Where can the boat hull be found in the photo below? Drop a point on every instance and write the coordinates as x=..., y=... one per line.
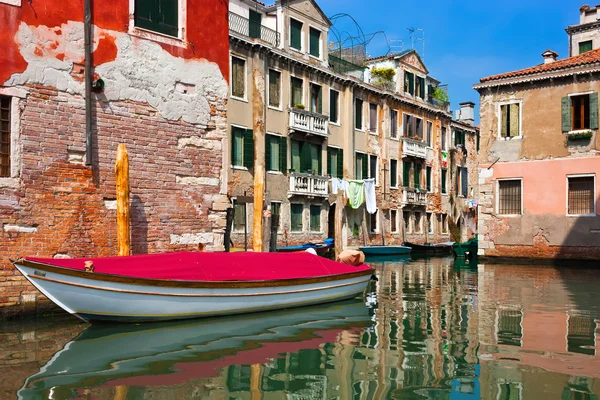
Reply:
x=431, y=249
x=134, y=300
x=384, y=250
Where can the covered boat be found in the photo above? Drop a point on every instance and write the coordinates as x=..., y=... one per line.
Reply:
x=391, y=250
x=320, y=248
x=188, y=285
x=430, y=249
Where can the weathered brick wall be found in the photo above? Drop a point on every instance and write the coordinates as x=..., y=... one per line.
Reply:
x=62, y=208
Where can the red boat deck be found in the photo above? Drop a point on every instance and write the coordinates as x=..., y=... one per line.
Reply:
x=212, y=267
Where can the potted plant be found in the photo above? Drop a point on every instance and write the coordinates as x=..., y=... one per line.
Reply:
x=585, y=135
x=299, y=106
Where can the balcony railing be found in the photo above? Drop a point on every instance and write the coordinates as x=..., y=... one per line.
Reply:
x=414, y=148
x=308, y=122
x=412, y=197
x=308, y=185
x=444, y=105
x=244, y=26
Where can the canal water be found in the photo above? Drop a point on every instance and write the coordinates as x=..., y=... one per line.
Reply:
x=426, y=329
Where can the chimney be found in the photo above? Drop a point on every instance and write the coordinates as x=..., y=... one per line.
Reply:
x=466, y=114
x=549, y=56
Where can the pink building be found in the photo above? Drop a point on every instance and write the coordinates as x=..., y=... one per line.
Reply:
x=538, y=160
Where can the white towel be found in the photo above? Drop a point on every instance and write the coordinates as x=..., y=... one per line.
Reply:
x=339, y=184
x=370, y=196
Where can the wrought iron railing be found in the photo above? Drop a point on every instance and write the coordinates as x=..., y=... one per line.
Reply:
x=252, y=29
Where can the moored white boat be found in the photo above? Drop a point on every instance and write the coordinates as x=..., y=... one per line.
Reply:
x=189, y=285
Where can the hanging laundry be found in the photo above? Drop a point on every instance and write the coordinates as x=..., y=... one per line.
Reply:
x=356, y=193
x=370, y=196
x=339, y=184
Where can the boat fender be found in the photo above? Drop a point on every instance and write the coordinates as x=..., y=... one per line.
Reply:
x=89, y=266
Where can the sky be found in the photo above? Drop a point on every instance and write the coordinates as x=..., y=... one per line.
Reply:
x=464, y=40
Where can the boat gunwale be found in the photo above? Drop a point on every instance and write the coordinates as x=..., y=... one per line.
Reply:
x=98, y=276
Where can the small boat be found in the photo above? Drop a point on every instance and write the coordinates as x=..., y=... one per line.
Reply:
x=190, y=285
x=466, y=249
x=384, y=250
x=175, y=353
x=320, y=248
x=433, y=249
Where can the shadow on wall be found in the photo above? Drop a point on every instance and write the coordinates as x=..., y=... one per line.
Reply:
x=139, y=226
x=582, y=239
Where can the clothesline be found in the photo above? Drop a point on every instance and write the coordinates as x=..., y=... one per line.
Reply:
x=357, y=192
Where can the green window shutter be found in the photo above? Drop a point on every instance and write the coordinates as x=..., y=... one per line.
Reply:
x=319, y=157
x=168, y=17
x=428, y=179
x=315, y=45
x=365, y=167
x=268, y=153
x=295, y=34
x=237, y=146
x=417, y=176
x=329, y=160
x=393, y=173
x=411, y=83
x=566, y=114
x=584, y=47
x=144, y=11
x=296, y=157
x=333, y=106
x=248, y=149
x=594, y=110
x=254, y=29
x=405, y=174
x=444, y=172
x=358, y=114
x=340, y=163
x=422, y=87
x=283, y=154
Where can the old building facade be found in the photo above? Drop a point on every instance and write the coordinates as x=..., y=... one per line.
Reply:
x=301, y=114
x=158, y=84
x=539, y=161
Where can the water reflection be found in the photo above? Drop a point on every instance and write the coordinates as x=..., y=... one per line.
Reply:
x=427, y=329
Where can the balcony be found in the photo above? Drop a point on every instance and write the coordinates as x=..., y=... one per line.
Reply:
x=308, y=122
x=308, y=185
x=414, y=149
x=243, y=26
x=412, y=197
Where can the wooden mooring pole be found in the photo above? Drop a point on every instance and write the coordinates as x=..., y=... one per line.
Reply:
x=123, y=218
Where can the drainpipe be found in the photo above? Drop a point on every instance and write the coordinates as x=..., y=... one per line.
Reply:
x=87, y=31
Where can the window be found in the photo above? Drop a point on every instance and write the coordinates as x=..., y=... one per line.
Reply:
x=239, y=216
x=444, y=223
x=295, y=34
x=509, y=330
x=242, y=147
x=296, y=217
x=419, y=127
x=430, y=224
x=394, y=124
x=358, y=117
x=274, y=88
x=428, y=177
x=509, y=197
x=581, y=335
x=160, y=16
x=254, y=24
x=457, y=182
x=5, y=140
x=373, y=168
x=334, y=106
x=316, y=98
x=335, y=162
x=394, y=221
x=418, y=223
x=362, y=169
x=406, y=173
x=420, y=87
x=510, y=115
x=238, y=77
x=306, y=157
x=581, y=195
x=459, y=138
x=417, y=175
x=464, y=182
x=394, y=173
x=297, y=89
x=580, y=112
x=315, y=42
x=276, y=153
x=408, y=130
x=373, y=117
x=406, y=220
x=315, y=218
x=429, y=133
x=373, y=222
x=443, y=183
x=409, y=82
x=444, y=139
x=584, y=47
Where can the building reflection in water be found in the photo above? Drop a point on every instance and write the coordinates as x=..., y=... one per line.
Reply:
x=430, y=329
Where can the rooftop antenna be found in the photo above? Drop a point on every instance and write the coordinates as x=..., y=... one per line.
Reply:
x=420, y=35
x=397, y=47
